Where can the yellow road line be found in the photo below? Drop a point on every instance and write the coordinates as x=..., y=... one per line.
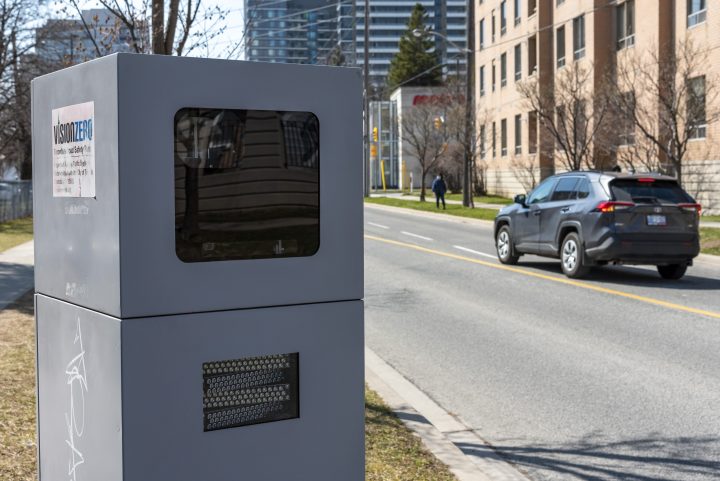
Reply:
x=561, y=280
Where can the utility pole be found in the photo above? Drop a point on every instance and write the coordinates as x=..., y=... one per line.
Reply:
x=367, y=99
x=469, y=110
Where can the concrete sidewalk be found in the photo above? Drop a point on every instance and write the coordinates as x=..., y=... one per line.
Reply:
x=16, y=272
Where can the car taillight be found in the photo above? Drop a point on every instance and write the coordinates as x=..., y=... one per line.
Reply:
x=612, y=206
x=646, y=179
x=691, y=207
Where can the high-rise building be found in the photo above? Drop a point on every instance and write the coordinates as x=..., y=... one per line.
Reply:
x=294, y=31
x=538, y=41
x=314, y=31
x=388, y=22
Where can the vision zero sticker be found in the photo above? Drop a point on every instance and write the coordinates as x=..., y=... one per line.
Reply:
x=73, y=137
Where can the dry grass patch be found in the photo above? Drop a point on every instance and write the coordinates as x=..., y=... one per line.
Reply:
x=394, y=453
x=17, y=402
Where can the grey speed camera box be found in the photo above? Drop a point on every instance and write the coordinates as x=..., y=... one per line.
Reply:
x=199, y=272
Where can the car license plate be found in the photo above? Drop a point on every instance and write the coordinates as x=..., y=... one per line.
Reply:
x=656, y=220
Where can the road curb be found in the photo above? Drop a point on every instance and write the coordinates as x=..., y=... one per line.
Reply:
x=439, y=431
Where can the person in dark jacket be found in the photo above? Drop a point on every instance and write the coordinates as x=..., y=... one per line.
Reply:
x=439, y=188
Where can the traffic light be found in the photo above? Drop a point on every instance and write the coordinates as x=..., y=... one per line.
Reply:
x=375, y=134
x=438, y=122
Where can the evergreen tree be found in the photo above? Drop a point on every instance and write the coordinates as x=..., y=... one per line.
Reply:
x=415, y=58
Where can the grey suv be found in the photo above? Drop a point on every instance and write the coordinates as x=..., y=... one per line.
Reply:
x=597, y=218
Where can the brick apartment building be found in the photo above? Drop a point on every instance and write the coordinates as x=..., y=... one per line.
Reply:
x=518, y=39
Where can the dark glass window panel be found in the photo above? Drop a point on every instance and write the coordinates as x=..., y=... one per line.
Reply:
x=565, y=189
x=246, y=184
x=583, y=189
x=657, y=192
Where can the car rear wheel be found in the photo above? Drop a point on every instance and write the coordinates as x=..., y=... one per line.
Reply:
x=672, y=271
x=572, y=257
x=504, y=247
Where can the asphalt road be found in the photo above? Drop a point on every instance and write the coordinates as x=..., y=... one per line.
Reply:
x=616, y=377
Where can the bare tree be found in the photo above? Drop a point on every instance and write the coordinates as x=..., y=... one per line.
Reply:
x=15, y=42
x=526, y=171
x=426, y=137
x=574, y=112
x=465, y=137
x=669, y=101
x=163, y=27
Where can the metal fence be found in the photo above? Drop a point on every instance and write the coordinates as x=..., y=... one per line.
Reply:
x=15, y=199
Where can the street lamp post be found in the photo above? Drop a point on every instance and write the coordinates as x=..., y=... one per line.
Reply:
x=366, y=65
x=467, y=161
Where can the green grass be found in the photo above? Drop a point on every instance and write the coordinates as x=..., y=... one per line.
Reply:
x=710, y=218
x=482, y=199
x=710, y=240
x=429, y=206
x=393, y=453
x=15, y=233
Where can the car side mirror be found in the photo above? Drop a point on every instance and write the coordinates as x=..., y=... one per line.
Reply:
x=520, y=199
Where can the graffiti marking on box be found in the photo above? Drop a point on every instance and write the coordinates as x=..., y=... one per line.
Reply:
x=73, y=156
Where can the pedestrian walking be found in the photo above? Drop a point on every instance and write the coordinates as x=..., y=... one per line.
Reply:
x=439, y=188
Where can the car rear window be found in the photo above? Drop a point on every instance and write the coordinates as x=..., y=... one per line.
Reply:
x=657, y=191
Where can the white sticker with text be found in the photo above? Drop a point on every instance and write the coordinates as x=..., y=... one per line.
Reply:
x=73, y=137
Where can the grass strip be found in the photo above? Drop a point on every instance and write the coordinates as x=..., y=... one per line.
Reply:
x=393, y=452
x=452, y=209
x=710, y=240
x=482, y=199
x=15, y=232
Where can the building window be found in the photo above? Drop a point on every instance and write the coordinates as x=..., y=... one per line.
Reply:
x=532, y=55
x=518, y=62
x=503, y=70
x=697, y=12
x=579, y=37
x=482, y=141
x=518, y=12
x=503, y=17
x=532, y=7
x=482, y=80
x=625, y=24
x=518, y=135
x=532, y=132
x=503, y=137
x=492, y=27
x=560, y=46
x=626, y=121
x=560, y=2
x=696, y=114
x=482, y=33
x=493, y=75
x=494, y=137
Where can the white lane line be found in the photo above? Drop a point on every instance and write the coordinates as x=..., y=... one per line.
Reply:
x=378, y=225
x=416, y=235
x=475, y=252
